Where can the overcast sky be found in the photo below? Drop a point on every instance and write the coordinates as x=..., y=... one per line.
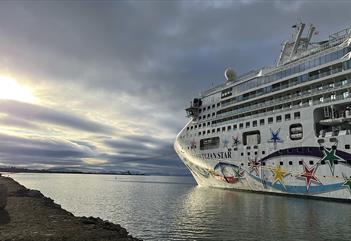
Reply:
x=106, y=82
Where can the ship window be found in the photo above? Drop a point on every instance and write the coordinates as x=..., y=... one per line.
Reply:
x=213, y=114
x=347, y=146
x=287, y=117
x=247, y=124
x=296, y=132
x=218, y=104
x=191, y=127
x=254, y=123
x=208, y=107
x=199, y=117
x=213, y=106
x=279, y=118
x=297, y=115
x=203, y=117
x=209, y=115
x=300, y=162
x=311, y=162
x=199, y=133
x=223, y=128
x=199, y=125
x=241, y=125
x=213, y=130
x=281, y=163
x=251, y=138
x=235, y=127
x=263, y=152
x=270, y=120
x=208, y=131
x=204, y=124
x=263, y=163
x=187, y=128
x=255, y=152
x=204, y=132
x=241, y=154
x=209, y=143
x=199, y=110
x=290, y=163
x=262, y=122
x=229, y=128
x=195, y=126
x=218, y=129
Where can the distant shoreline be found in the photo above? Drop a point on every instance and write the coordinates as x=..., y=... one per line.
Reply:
x=24, y=170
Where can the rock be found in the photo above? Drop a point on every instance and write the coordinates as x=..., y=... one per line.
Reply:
x=3, y=196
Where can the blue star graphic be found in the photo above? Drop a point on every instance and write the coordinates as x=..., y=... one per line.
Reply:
x=275, y=137
x=236, y=141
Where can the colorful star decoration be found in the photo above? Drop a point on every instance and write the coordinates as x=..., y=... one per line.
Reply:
x=225, y=143
x=239, y=173
x=279, y=174
x=236, y=141
x=309, y=174
x=254, y=166
x=330, y=157
x=275, y=138
x=347, y=182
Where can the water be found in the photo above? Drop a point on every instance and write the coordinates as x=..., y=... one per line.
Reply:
x=174, y=208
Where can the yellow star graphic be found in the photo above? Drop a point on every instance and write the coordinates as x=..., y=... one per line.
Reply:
x=279, y=175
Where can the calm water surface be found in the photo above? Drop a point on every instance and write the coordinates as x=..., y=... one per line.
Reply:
x=174, y=208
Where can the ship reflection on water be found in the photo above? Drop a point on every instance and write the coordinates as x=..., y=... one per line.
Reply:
x=174, y=208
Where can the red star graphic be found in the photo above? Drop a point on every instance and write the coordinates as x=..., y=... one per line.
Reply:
x=309, y=175
x=254, y=165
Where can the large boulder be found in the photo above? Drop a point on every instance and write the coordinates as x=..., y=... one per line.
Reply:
x=3, y=196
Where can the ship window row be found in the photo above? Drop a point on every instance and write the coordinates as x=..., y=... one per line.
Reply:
x=270, y=120
x=301, y=97
x=288, y=83
x=290, y=71
x=209, y=107
x=300, y=163
x=208, y=116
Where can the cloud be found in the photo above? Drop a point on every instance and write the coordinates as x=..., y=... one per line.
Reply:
x=113, y=77
x=22, y=112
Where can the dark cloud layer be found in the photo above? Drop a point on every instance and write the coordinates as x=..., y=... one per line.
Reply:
x=39, y=114
x=151, y=56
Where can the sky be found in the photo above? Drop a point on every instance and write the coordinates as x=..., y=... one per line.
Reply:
x=102, y=85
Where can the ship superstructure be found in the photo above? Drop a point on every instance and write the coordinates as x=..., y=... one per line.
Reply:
x=284, y=129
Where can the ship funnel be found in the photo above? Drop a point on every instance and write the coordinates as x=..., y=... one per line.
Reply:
x=230, y=74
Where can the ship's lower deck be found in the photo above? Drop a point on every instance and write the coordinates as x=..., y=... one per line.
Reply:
x=297, y=177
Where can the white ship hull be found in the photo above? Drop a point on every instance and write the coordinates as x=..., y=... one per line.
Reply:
x=282, y=131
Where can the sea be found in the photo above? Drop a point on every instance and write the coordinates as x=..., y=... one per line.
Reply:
x=175, y=208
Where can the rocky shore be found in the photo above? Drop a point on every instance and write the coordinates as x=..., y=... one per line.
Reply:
x=27, y=215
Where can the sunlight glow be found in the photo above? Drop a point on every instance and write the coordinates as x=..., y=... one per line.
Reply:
x=10, y=89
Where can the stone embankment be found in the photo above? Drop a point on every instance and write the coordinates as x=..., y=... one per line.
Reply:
x=27, y=215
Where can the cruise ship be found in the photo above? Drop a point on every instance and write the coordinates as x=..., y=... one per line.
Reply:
x=284, y=129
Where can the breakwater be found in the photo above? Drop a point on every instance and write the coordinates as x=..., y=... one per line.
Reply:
x=29, y=215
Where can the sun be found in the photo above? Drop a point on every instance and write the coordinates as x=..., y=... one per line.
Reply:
x=10, y=89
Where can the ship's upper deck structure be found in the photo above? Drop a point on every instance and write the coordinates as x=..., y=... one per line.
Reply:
x=296, y=56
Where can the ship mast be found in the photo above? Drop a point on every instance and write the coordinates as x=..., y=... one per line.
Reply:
x=297, y=45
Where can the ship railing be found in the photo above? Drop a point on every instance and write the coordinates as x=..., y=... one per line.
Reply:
x=287, y=100
x=321, y=75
